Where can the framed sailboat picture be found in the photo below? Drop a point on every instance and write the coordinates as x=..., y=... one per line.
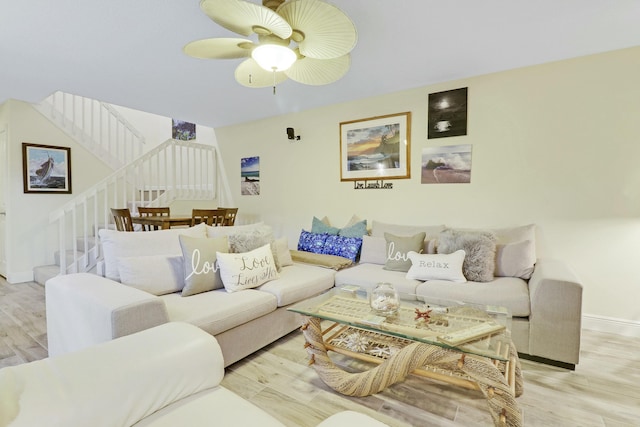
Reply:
x=46, y=168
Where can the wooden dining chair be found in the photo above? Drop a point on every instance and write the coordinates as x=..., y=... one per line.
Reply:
x=213, y=217
x=230, y=215
x=147, y=211
x=122, y=218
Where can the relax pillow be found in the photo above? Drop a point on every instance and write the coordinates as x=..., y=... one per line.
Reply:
x=397, y=249
x=200, y=263
x=437, y=267
x=480, y=250
x=142, y=243
x=155, y=274
x=247, y=270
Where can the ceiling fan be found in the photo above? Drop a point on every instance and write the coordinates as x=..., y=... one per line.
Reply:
x=307, y=41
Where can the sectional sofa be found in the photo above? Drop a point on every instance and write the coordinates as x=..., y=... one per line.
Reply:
x=144, y=283
x=499, y=267
x=144, y=286
x=169, y=375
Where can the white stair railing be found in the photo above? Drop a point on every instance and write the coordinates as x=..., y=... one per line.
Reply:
x=173, y=170
x=96, y=125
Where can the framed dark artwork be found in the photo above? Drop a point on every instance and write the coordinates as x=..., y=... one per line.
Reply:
x=447, y=113
x=183, y=131
x=450, y=164
x=376, y=148
x=250, y=176
x=46, y=168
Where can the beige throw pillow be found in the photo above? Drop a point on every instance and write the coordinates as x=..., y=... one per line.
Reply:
x=201, y=270
x=247, y=270
x=397, y=249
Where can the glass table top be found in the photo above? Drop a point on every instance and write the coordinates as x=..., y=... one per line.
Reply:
x=469, y=328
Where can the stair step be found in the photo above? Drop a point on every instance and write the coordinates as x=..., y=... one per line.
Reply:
x=45, y=272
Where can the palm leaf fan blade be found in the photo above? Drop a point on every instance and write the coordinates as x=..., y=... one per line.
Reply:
x=324, y=31
x=316, y=72
x=245, y=18
x=219, y=48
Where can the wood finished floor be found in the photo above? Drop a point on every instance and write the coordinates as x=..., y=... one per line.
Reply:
x=603, y=391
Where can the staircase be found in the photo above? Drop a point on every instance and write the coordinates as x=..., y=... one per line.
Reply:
x=174, y=170
x=99, y=127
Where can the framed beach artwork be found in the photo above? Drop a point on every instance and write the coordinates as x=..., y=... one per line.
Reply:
x=250, y=176
x=376, y=148
x=46, y=168
x=446, y=165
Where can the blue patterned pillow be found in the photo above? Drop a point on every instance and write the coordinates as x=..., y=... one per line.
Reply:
x=347, y=247
x=311, y=242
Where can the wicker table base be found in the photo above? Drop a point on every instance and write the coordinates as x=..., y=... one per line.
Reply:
x=499, y=382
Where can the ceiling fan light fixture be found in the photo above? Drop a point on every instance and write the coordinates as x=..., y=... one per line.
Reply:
x=273, y=57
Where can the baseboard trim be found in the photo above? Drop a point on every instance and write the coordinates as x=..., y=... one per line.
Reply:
x=25, y=276
x=627, y=328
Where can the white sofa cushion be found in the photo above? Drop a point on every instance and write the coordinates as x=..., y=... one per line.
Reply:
x=156, y=274
x=138, y=243
x=510, y=292
x=218, y=407
x=299, y=281
x=116, y=383
x=218, y=310
x=368, y=275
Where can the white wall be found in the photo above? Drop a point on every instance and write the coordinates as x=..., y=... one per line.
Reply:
x=157, y=129
x=31, y=239
x=555, y=144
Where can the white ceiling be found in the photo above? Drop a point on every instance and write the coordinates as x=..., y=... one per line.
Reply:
x=129, y=52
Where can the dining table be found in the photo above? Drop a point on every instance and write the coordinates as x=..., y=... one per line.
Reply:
x=163, y=222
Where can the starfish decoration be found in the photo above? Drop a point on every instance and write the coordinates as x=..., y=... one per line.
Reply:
x=382, y=351
x=424, y=315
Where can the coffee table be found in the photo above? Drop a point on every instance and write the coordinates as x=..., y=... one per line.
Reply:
x=461, y=344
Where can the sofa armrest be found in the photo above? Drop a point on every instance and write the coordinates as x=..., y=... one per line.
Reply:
x=116, y=383
x=556, y=312
x=84, y=309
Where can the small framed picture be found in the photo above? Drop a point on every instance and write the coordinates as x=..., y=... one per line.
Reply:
x=447, y=113
x=46, y=168
x=376, y=148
